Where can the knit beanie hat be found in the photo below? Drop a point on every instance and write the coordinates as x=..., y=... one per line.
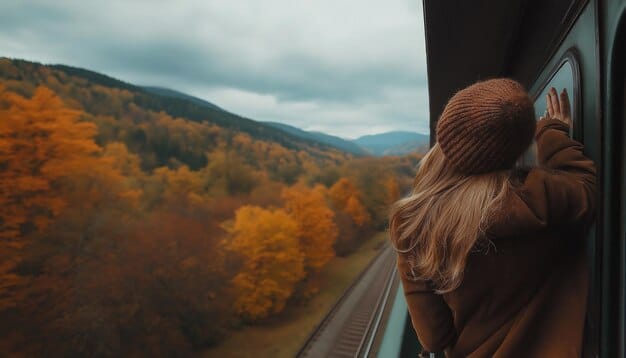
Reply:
x=486, y=126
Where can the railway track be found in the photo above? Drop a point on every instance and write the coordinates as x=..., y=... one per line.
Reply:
x=349, y=328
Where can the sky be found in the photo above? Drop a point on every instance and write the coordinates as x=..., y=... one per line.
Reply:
x=343, y=67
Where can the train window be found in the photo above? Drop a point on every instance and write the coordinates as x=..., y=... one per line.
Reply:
x=562, y=78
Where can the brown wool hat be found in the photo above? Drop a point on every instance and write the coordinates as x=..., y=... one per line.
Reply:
x=486, y=126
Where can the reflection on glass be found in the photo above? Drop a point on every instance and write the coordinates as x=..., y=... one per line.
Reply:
x=563, y=78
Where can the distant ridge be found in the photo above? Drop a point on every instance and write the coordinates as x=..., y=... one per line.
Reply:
x=394, y=143
x=389, y=143
x=337, y=142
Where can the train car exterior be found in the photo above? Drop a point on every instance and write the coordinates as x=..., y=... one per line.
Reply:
x=579, y=45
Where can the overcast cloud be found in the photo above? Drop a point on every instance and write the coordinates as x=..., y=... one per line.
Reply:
x=344, y=67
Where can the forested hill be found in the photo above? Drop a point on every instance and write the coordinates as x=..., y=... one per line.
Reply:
x=88, y=88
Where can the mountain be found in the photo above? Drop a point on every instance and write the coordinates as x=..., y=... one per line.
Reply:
x=155, y=99
x=337, y=142
x=166, y=92
x=90, y=90
x=390, y=143
x=394, y=143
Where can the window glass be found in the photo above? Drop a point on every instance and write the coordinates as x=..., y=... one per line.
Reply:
x=563, y=78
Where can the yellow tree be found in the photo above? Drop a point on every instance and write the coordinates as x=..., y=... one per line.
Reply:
x=317, y=231
x=127, y=163
x=272, y=262
x=357, y=211
x=345, y=197
x=228, y=174
x=179, y=185
x=393, y=190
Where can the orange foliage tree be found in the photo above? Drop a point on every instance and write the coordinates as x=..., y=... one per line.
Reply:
x=41, y=143
x=317, y=231
x=179, y=185
x=345, y=197
x=393, y=190
x=351, y=216
x=272, y=261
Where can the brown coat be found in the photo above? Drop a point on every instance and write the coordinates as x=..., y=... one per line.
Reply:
x=525, y=297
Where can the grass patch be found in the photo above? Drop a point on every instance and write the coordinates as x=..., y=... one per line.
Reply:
x=284, y=337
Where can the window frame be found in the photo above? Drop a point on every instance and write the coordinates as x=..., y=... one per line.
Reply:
x=572, y=57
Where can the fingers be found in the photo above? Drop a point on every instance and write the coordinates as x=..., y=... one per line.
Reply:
x=564, y=104
x=549, y=105
x=554, y=100
x=558, y=106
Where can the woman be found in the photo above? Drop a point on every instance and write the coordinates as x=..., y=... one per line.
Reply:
x=491, y=256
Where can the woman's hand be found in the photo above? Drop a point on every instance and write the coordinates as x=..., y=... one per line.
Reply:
x=558, y=106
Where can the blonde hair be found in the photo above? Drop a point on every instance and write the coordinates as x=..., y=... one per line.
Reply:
x=444, y=218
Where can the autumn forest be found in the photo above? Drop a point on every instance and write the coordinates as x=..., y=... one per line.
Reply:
x=133, y=223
